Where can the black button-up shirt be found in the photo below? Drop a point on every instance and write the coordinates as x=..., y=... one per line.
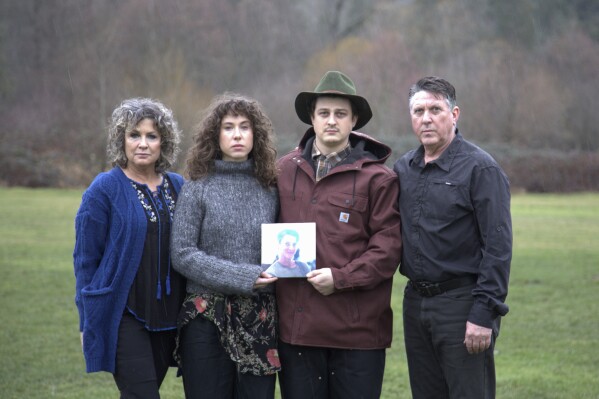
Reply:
x=455, y=222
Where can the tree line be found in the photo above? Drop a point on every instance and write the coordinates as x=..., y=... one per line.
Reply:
x=525, y=74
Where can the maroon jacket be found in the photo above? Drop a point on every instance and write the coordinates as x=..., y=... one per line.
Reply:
x=363, y=250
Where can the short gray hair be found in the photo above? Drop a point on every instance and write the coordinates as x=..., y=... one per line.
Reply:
x=437, y=86
x=126, y=117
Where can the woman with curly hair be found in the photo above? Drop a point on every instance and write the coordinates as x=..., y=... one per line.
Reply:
x=227, y=344
x=127, y=293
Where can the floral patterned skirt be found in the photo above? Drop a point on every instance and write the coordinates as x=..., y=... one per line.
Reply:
x=247, y=328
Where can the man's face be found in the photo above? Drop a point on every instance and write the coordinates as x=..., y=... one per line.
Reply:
x=433, y=121
x=333, y=121
x=287, y=248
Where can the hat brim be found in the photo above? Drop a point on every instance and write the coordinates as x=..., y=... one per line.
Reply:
x=305, y=98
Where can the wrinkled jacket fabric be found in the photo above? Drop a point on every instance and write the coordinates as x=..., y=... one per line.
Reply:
x=357, y=236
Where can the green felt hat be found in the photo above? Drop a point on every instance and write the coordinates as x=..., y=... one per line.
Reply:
x=337, y=84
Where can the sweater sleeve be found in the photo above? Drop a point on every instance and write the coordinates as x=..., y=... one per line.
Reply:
x=213, y=272
x=91, y=229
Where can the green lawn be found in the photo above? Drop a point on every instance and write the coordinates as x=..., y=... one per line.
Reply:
x=548, y=347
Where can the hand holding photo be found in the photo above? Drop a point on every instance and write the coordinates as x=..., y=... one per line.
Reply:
x=281, y=255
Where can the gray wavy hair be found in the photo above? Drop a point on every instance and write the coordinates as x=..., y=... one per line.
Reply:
x=126, y=117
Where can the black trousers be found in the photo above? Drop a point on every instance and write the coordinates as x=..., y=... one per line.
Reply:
x=142, y=359
x=439, y=365
x=209, y=372
x=324, y=373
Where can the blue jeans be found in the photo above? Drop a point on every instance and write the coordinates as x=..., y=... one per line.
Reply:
x=439, y=365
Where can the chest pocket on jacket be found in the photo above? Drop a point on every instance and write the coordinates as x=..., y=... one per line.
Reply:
x=441, y=200
x=349, y=202
x=347, y=221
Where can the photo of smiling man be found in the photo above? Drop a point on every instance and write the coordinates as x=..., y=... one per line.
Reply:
x=287, y=261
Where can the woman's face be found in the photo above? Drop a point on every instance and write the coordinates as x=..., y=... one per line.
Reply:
x=236, y=138
x=142, y=145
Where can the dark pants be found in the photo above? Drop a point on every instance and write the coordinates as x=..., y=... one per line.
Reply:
x=142, y=359
x=209, y=372
x=439, y=365
x=323, y=373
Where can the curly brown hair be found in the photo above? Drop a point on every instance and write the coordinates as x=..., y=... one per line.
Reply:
x=125, y=118
x=206, y=147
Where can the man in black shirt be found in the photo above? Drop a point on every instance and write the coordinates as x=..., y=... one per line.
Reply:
x=456, y=228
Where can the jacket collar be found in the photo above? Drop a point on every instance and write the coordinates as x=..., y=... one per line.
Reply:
x=363, y=146
x=445, y=159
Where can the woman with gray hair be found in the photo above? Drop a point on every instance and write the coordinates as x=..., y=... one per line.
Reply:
x=127, y=293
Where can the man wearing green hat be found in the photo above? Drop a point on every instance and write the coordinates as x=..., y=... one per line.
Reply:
x=337, y=322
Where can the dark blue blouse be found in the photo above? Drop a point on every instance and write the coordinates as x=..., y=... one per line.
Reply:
x=158, y=290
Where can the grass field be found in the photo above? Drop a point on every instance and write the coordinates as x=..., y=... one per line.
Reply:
x=548, y=346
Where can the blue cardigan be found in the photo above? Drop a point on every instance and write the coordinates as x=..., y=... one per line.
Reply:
x=110, y=231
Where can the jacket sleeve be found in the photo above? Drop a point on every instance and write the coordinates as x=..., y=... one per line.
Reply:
x=91, y=229
x=382, y=255
x=177, y=180
x=195, y=264
x=491, y=199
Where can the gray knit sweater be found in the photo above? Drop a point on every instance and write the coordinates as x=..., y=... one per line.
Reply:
x=215, y=239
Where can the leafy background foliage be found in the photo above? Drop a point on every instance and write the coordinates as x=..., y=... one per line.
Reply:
x=525, y=73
